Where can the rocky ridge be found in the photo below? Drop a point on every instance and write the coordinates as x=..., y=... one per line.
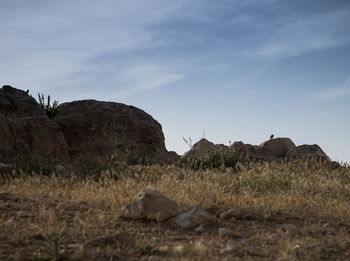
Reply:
x=98, y=129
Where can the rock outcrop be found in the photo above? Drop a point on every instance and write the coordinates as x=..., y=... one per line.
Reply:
x=271, y=150
x=198, y=149
x=25, y=128
x=277, y=147
x=152, y=205
x=96, y=128
x=307, y=151
x=81, y=128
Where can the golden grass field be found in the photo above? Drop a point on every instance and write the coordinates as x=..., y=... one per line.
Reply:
x=288, y=211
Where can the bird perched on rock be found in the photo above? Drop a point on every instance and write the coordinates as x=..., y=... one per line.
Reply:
x=271, y=137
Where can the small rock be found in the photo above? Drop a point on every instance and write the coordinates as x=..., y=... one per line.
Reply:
x=18, y=256
x=163, y=249
x=4, y=195
x=291, y=229
x=150, y=204
x=23, y=214
x=229, y=250
x=233, y=219
x=195, y=216
x=75, y=246
x=225, y=232
x=4, y=166
x=199, y=229
x=229, y=214
x=179, y=249
x=219, y=212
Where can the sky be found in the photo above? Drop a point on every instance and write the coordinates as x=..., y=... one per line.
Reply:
x=226, y=70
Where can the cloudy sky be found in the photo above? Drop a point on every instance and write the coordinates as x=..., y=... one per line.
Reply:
x=236, y=70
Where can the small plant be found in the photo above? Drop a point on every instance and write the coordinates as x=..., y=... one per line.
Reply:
x=51, y=110
x=55, y=246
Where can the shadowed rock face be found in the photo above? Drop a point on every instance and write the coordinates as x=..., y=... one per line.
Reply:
x=96, y=128
x=80, y=128
x=307, y=151
x=25, y=128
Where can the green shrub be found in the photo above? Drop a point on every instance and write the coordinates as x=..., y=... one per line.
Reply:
x=51, y=110
x=217, y=158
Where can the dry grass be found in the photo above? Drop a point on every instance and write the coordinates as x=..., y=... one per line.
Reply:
x=290, y=211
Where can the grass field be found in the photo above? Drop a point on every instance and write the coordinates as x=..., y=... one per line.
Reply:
x=289, y=211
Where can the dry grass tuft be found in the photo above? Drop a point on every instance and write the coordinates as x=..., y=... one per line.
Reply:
x=289, y=211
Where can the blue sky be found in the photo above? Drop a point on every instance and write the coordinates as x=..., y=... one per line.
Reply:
x=240, y=70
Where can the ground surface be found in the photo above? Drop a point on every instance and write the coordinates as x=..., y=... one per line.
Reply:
x=284, y=212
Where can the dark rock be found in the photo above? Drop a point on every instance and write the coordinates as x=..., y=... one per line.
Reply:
x=25, y=128
x=99, y=129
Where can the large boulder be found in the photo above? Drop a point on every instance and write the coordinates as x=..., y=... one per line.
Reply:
x=26, y=129
x=98, y=129
x=198, y=149
x=278, y=147
x=152, y=205
x=307, y=151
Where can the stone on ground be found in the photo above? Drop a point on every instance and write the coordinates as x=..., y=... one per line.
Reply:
x=152, y=205
x=194, y=217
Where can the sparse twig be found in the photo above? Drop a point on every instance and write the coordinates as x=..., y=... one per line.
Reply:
x=188, y=141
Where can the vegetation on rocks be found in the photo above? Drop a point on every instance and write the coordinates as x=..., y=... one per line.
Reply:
x=266, y=211
x=218, y=159
x=51, y=110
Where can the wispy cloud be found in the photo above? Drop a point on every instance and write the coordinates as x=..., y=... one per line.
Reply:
x=336, y=92
x=148, y=77
x=301, y=34
x=54, y=45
